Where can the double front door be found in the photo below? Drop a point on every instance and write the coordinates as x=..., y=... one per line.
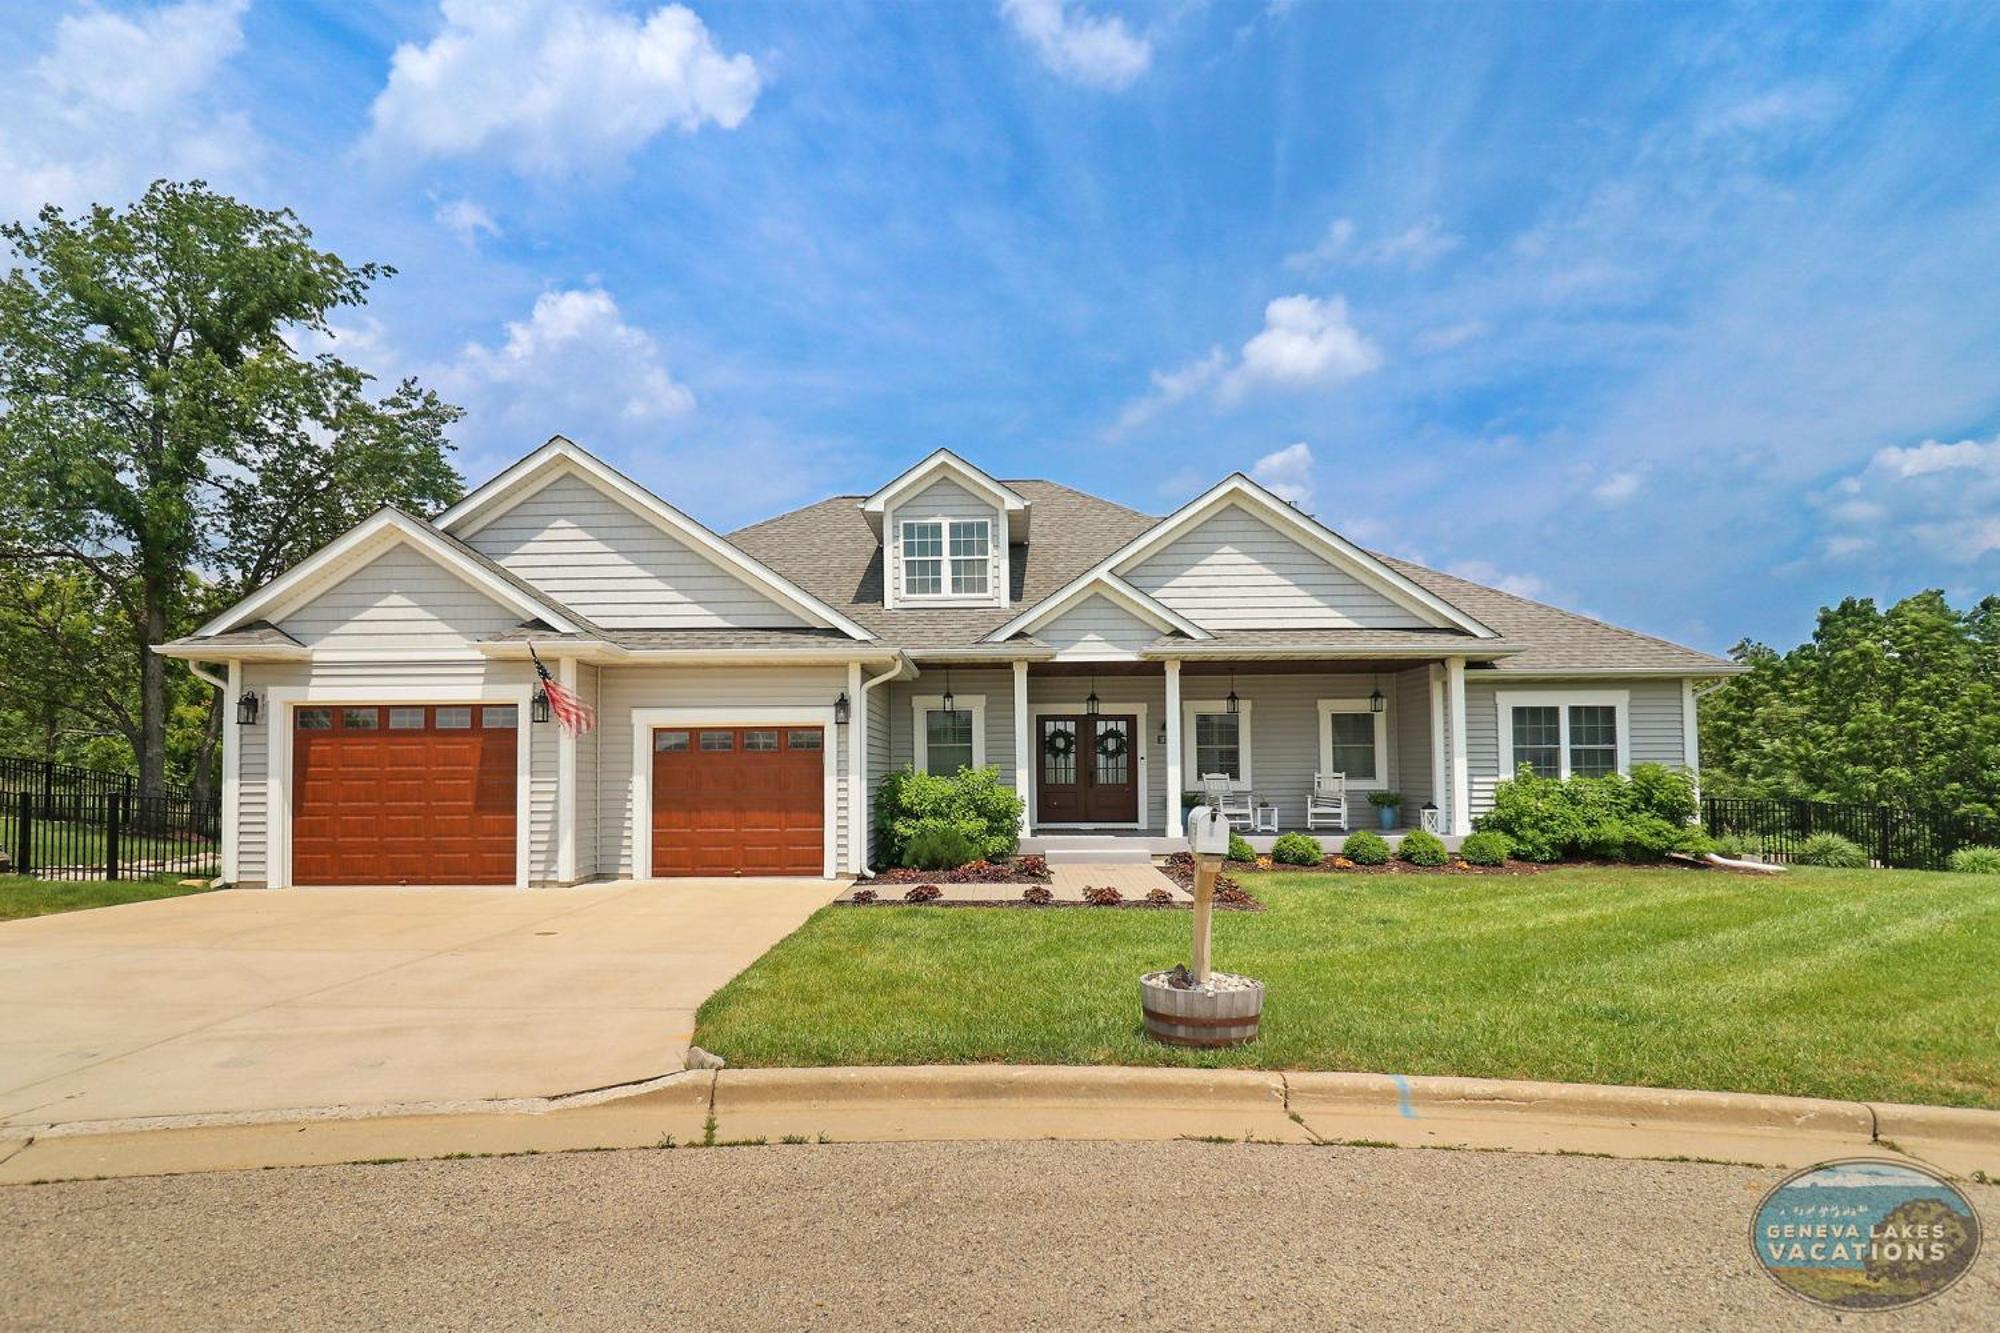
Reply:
x=1088, y=768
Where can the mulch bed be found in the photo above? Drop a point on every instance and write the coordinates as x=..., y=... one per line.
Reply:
x=1022, y=870
x=1342, y=865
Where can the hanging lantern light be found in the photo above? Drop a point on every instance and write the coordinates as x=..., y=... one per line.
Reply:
x=1376, y=703
x=1090, y=703
x=1234, y=704
x=949, y=701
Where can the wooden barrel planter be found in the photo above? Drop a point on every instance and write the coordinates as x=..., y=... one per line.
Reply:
x=1223, y=1015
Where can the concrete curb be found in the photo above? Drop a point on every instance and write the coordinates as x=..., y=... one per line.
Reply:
x=945, y=1102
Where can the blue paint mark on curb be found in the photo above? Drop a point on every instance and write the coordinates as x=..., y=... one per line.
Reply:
x=1403, y=1097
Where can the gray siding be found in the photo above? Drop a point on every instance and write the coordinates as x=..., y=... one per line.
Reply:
x=356, y=681
x=589, y=685
x=400, y=599
x=1097, y=627
x=718, y=690
x=946, y=499
x=1235, y=571
x=617, y=566
x=1411, y=736
x=1653, y=718
x=881, y=711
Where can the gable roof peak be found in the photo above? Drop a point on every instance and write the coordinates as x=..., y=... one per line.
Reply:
x=944, y=460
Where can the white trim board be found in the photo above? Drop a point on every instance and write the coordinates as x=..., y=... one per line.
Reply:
x=1505, y=701
x=646, y=720
x=921, y=704
x=278, y=796
x=1114, y=589
x=376, y=535
x=1112, y=706
x=920, y=473
x=1384, y=754
x=561, y=457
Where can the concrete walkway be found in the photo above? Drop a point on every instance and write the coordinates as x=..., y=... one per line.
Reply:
x=254, y=1001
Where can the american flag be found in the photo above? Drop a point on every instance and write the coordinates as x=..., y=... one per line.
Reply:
x=570, y=712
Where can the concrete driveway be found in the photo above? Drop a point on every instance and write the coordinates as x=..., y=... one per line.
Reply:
x=260, y=1000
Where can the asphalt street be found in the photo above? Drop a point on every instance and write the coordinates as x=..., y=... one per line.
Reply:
x=968, y=1235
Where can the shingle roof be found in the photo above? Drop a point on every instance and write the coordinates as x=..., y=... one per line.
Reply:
x=829, y=550
x=256, y=634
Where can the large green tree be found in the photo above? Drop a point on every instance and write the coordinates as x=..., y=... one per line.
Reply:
x=164, y=440
x=1896, y=707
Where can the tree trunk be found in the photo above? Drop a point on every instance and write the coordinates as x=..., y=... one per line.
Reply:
x=152, y=691
x=201, y=783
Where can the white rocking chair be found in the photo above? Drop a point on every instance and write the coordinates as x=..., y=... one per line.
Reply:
x=1234, y=805
x=1326, y=807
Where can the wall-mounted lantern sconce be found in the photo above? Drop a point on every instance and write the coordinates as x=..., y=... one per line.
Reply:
x=841, y=709
x=538, y=707
x=246, y=709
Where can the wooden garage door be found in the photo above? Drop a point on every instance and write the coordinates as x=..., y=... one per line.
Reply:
x=404, y=794
x=739, y=801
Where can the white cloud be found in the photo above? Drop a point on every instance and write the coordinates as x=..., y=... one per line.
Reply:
x=119, y=99
x=1305, y=342
x=1452, y=335
x=466, y=219
x=573, y=365
x=1415, y=247
x=556, y=88
x=1933, y=499
x=1084, y=48
x=1484, y=571
x=1172, y=386
x=1617, y=488
x=1287, y=473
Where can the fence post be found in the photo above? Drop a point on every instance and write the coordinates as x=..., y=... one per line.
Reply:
x=24, y=824
x=1882, y=838
x=113, y=827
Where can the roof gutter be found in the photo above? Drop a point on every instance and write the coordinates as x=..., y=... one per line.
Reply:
x=1724, y=670
x=1000, y=652
x=603, y=653
x=198, y=651
x=1472, y=649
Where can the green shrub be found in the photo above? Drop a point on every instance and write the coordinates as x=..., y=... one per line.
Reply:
x=1240, y=848
x=1735, y=846
x=1832, y=850
x=1423, y=848
x=1640, y=818
x=1490, y=848
x=1976, y=860
x=971, y=801
x=1385, y=799
x=939, y=845
x=1297, y=849
x=1365, y=847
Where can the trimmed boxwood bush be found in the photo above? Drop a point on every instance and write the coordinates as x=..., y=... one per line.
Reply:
x=1490, y=848
x=1423, y=848
x=1240, y=848
x=1832, y=850
x=971, y=802
x=1976, y=860
x=1640, y=818
x=936, y=845
x=1297, y=849
x=1365, y=847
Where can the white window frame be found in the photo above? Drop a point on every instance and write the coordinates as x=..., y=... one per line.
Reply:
x=1506, y=701
x=1327, y=708
x=1190, y=764
x=985, y=526
x=922, y=705
x=903, y=526
x=996, y=569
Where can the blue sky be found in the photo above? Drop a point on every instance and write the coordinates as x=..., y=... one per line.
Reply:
x=1684, y=316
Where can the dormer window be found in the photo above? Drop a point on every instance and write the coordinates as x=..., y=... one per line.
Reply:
x=937, y=550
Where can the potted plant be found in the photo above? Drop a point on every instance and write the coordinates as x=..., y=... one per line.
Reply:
x=1190, y=1005
x=1385, y=803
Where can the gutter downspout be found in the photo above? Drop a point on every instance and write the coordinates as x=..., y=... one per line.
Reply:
x=857, y=767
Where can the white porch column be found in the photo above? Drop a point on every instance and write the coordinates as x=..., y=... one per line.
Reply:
x=1461, y=772
x=232, y=770
x=1440, y=785
x=857, y=772
x=566, y=784
x=1175, y=827
x=1024, y=750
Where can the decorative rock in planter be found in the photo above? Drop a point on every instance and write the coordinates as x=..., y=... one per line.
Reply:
x=1225, y=1012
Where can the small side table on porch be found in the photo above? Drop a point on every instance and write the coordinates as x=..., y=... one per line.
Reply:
x=1264, y=817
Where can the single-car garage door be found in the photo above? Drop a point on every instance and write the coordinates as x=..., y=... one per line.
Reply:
x=739, y=801
x=404, y=794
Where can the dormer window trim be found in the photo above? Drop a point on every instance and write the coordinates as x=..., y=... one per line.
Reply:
x=949, y=558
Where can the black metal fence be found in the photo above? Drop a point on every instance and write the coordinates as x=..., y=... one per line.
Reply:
x=58, y=821
x=1908, y=839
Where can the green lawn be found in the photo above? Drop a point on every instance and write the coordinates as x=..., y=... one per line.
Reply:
x=1855, y=984
x=34, y=897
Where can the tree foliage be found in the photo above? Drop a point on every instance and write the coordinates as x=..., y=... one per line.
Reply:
x=165, y=444
x=1896, y=707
